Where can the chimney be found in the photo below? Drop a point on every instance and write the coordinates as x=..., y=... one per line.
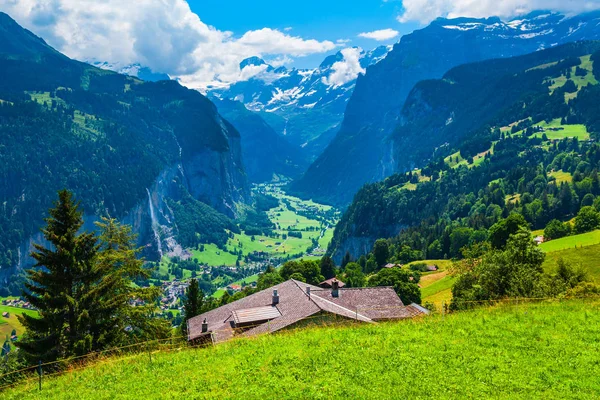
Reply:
x=335, y=288
x=204, y=326
x=275, y=297
x=308, y=291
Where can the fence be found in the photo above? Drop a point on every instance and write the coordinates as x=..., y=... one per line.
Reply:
x=41, y=371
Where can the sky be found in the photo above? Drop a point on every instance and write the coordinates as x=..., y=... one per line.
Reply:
x=202, y=42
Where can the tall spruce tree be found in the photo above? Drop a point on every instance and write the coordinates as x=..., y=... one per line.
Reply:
x=83, y=289
x=57, y=283
x=122, y=310
x=193, y=305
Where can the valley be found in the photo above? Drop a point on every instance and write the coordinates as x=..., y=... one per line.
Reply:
x=300, y=229
x=195, y=217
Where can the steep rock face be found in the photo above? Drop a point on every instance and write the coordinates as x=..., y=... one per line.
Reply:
x=264, y=152
x=360, y=153
x=125, y=147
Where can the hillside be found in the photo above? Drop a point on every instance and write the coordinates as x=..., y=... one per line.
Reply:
x=365, y=149
x=127, y=148
x=542, y=350
x=499, y=132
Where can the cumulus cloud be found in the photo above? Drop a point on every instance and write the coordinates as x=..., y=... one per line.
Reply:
x=347, y=69
x=164, y=35
x=425, y=11
x=380, y=35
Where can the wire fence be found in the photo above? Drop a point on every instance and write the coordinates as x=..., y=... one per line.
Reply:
x=41, y=371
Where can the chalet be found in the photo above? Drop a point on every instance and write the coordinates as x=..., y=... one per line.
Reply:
x=432, y=268
x=6, y=314
x=328, y=284
x=234, y=288
x=293, y=304
x=539, y=239
x=392, y=266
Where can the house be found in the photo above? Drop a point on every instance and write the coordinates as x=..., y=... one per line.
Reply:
x=432, y=268
x=294, y=304
x=6, y=314
x=392, y=266
x=234, y=288
x=329, y=283
x=539, y=239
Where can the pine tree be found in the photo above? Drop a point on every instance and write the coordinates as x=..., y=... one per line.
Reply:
x=83, y=289
x=55, y=284
x=116, y=321
x=193, y=304
x=327, y=267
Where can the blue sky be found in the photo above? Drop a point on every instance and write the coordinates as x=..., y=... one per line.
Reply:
x=202, y=42
x=316, y=19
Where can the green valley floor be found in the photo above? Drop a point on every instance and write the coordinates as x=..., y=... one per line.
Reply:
x=542, y=351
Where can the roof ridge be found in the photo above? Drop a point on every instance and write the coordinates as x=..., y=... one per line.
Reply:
x=342, y=307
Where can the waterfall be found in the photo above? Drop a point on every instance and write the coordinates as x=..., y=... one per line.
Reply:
x=155, y=224
x=179, y=165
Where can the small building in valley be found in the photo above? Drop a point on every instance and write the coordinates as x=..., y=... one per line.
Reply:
x=294, y=304
x=329, y=283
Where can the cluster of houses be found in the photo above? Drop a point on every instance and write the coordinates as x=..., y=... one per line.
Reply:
x=17, y=303
x=172, y=292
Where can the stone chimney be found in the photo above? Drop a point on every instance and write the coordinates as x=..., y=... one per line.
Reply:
x=335, y=288
x=275, y=297
x=204, y=326
x=308, y=291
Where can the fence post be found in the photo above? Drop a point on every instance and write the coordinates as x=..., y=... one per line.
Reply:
x=40, y=374
x=443, y=309
x=149, y=352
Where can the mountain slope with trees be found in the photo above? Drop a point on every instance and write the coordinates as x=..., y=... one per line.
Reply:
x=535, y=155
x=364, y=149
x=125, y=147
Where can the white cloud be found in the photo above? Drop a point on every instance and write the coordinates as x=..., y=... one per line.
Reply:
x=347, y=69
x=425, y=11
x=164, y=35
x=380, y=35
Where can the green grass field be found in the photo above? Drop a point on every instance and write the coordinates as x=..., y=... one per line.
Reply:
x=561, y=176
x=285, y=219
x=569, y=131
x=569, y=242
x=588, y=258
x=534, y=351
x=12, y=322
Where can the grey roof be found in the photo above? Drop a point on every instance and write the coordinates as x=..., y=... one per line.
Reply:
x=295, y=304
x=255, y=314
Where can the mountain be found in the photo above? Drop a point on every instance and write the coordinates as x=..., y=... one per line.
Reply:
x=156, y=155
x=265, y=153
x=500, y=132
x=364, y=149
x=136, y=70
x=304, y=105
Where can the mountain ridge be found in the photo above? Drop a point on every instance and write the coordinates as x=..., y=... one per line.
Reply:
x=358, y=153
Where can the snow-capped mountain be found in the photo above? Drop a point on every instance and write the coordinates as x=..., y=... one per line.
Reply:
x=305, y=105
x=136, y=70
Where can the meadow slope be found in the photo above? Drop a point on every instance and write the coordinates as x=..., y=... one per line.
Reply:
x=544, y=350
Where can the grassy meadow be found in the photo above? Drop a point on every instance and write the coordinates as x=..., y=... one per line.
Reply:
x=546, y=350
x=12, y=322
x=570, y=242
